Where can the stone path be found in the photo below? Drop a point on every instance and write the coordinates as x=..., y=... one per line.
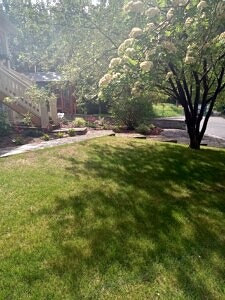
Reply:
x=167, y=135
x=53, y=143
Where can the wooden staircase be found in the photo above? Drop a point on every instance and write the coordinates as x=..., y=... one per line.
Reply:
x=14, y=85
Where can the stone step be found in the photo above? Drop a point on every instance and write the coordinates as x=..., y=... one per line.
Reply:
x=78, y=131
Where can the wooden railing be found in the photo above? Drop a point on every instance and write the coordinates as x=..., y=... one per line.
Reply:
x=14, y=85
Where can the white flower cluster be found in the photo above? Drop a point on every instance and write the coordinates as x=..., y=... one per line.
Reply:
x=105, y=80
x=202, y=5
x=149, y=27
x=136, y=90
x=169, y=75
x=126, y=59
x=130, y=52
x=126, y=44
x=170, y=13
x=152, y=12
x=188, y=22
x=222, y=37
x=149, y=53
x=190, y=59
x=134, y=6
x=115, y=62
x=135, y=32
x=169, y=46
x=146, y=65
x=116, y=75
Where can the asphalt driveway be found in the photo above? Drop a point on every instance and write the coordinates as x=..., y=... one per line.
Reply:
x=216, y=127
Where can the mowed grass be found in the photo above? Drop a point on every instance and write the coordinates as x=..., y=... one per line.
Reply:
x=113, y=218
x=167, y=110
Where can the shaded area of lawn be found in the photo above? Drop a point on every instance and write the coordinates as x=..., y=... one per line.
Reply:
x=127, y=220
x=155, y=216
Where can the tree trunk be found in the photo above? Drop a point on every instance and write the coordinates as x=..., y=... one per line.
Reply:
x=194, y=143
x=194, y=136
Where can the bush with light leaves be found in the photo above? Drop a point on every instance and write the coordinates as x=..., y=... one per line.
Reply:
x=131, y=104
x=178, y=47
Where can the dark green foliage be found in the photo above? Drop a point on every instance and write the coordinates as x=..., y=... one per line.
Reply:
x=132, y=111
x=143, y=129
x=59, y=135
x=4, y=124
x=33, y=133
x=71, y=132
x=45, y=137
x=18, y=141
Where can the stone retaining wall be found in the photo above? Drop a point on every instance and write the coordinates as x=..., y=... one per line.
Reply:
x=167, y=123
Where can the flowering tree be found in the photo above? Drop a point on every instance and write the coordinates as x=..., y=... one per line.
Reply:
x=177, y=46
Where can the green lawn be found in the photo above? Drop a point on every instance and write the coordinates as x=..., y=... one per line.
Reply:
x=113, y=219
x=167, y=110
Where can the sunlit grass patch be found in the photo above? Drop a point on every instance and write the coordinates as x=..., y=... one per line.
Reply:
x=167, y=110
x=113, y=218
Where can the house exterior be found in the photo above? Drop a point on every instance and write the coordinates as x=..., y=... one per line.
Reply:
x=65, y=100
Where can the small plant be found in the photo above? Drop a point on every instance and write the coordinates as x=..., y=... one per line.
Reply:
x=27, y=119
x=101, y=121
x=92, y=125
x=64, y=121
x=143, y=129
x=59, y=135
x=79, y=122
x=148, y=129
x=71, y=132
x=18, y=141
x=45, y=137
x=119, y=129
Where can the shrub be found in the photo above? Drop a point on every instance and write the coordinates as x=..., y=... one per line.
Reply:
x=148, y=129
x=132, y=111
x=59, y=135
x=18, y=141
x=71, y=132
x=64, y=121
x=4, y=125
x=79, y=122
x=92, y=125
x=143, y=129
x=119, y=129
x=45, y=137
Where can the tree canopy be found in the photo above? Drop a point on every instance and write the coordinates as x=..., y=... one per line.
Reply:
x=76, y=38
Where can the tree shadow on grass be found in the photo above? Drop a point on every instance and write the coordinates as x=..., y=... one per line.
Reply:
x=152, y=216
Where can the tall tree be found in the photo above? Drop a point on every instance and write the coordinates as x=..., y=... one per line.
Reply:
x=32, y=46
x=178, y=47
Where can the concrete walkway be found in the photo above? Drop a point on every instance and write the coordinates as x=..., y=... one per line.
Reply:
x=53, y=143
